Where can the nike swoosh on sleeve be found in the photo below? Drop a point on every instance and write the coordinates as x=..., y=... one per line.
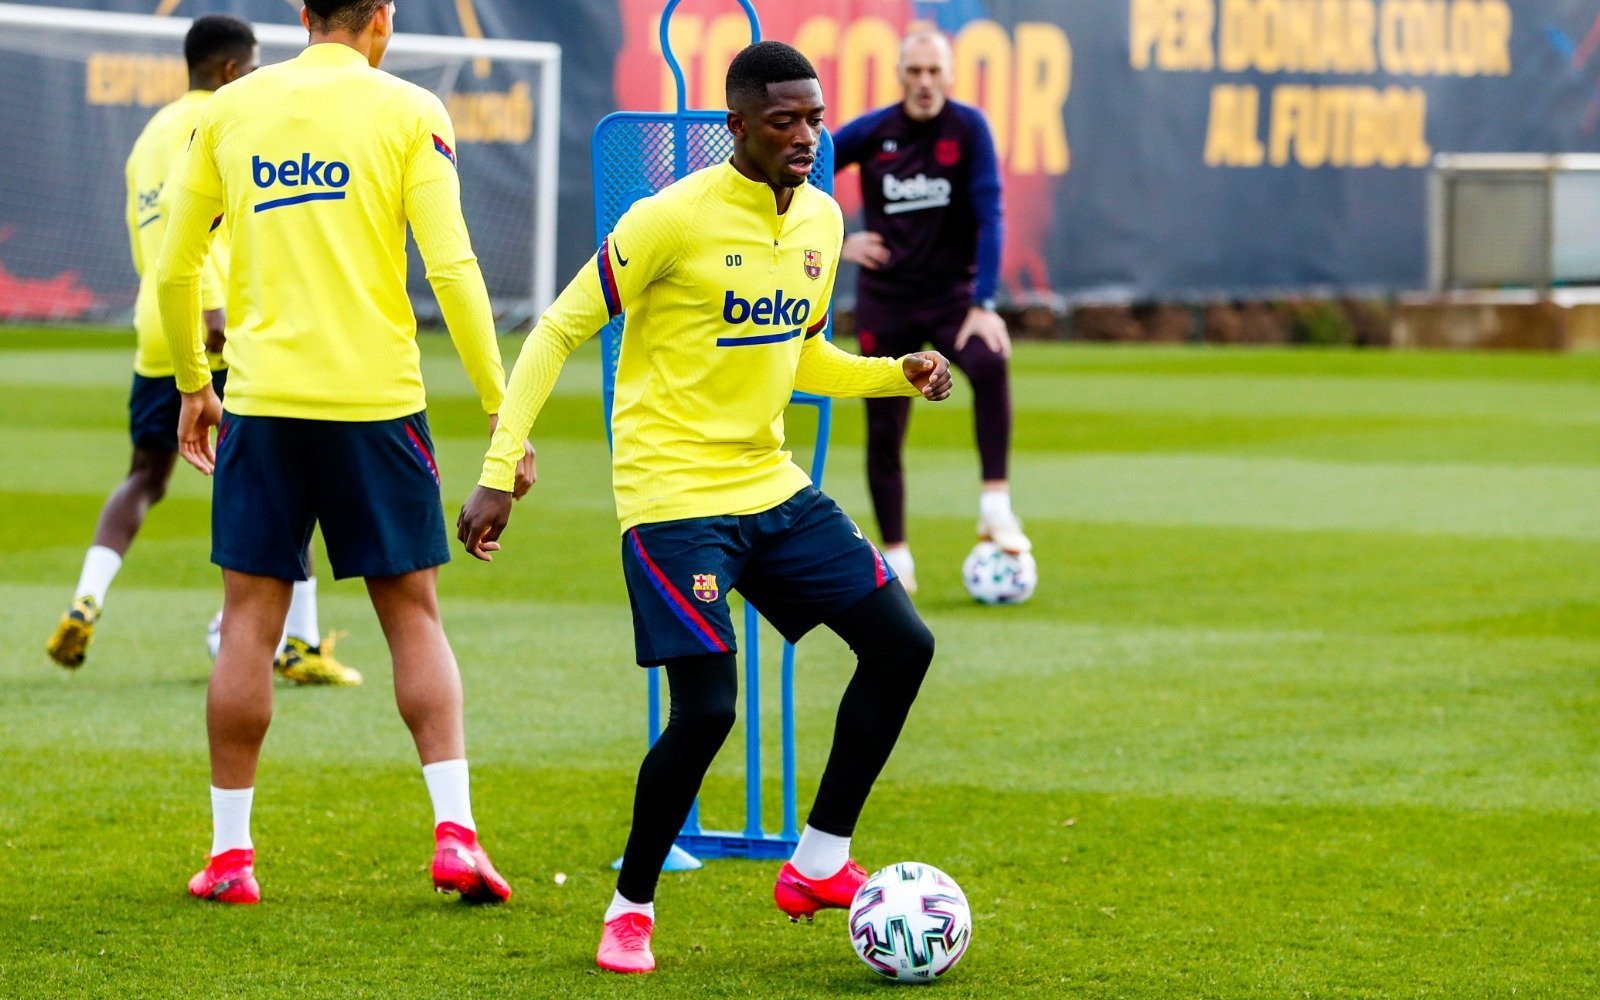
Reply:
x=620, y=259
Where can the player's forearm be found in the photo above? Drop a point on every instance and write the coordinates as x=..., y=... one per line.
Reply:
x=178, y=286
x=464, y=302
x=572, y=318
x=988, y=207
x=434, y=210
x=991, y=237
x=825, y=370
x=532, y=379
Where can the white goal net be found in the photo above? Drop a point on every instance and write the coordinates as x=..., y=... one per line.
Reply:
x=80, y=85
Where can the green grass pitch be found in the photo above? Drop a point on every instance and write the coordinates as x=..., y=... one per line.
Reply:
x=1307, y=705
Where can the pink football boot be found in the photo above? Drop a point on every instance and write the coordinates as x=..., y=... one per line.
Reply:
x=625, y=945
x=230, y=877
x=799, y=896
x=460, y=865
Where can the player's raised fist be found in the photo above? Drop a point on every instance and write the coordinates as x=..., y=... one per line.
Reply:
x=929, y=372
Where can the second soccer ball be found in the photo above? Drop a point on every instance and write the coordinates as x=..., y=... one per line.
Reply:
x=995, y=576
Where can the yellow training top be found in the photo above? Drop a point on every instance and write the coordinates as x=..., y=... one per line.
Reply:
x=157, y=157
x=317, y=164
x=725, y=300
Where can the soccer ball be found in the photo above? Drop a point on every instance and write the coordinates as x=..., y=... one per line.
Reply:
x=910, y=922
x=995, y=576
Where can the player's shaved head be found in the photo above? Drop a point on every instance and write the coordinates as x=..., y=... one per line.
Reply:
x=219, y=49
x=759, y=66
x=342, y=15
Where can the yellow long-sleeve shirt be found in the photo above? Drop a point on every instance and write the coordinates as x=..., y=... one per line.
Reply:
x=725, y=299
x=317, y=164
x=157, y=159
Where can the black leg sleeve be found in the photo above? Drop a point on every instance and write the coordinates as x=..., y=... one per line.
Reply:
x=704, y=692
x=893, y=649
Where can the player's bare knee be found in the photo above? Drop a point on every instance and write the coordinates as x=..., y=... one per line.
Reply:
x=154, y=487
x=149, y=474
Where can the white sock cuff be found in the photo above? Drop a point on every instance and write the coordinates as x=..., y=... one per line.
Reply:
x=100, y=566
x=621, y=904
x=994, y=503
x=820, y=855
x=230, y=819
x=450, y=789
x=899, y=559
x=301, y=621
x=441, y=767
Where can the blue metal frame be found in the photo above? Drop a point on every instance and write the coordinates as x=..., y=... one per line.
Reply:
x=753, y=841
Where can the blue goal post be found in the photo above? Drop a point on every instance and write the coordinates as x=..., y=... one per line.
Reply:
x=634, y=155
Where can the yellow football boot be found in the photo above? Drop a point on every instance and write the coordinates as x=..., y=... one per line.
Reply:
x=303, y=663
x=70, y=644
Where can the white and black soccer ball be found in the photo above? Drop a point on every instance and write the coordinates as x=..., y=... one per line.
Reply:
x=995, y=576
x=910, y=922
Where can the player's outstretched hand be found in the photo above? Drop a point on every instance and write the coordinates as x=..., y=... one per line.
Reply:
x=929, y=372
x=483, y=517
x=866, y=249
x=201, y=411
x=527, y=471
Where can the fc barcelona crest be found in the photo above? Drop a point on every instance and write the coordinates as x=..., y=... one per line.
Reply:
x=813, y=264
x=705, y=586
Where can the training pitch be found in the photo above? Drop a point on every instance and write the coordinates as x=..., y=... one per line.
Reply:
x=1308, y=704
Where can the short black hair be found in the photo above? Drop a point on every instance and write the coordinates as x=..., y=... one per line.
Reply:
x=346, y=15
x=761, y=64
x=217, y=37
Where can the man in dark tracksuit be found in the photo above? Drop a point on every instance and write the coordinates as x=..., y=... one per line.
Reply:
x=930, y=262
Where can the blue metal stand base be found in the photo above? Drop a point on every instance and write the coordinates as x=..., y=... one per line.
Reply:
x=678, y=860
x=737, y=845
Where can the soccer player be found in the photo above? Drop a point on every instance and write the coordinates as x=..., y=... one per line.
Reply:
x=726, y=277
x=930, y=263
x=318, y=164
x=218, y=49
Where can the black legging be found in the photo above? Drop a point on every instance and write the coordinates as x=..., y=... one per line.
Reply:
x=893, y=649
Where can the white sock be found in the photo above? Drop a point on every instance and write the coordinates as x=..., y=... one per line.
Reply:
x=995, y=505
x=451, y=791
x=621, y=904
x=302, y=620
x=899, y=560
x=820, y=855
x=230, y=818
x=100, y=567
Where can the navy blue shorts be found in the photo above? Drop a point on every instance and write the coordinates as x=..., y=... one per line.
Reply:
x=153, y=405
x=799, y=564
x=373, y=486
